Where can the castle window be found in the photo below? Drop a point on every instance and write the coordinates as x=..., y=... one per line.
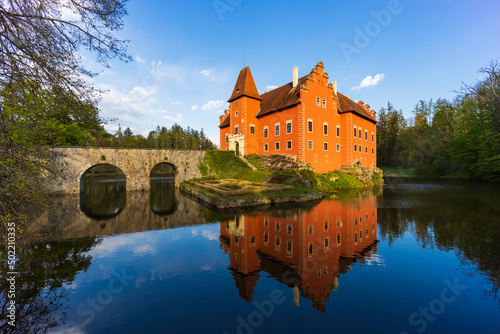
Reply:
x=356, y=237
x=288, y=126
x=289, y=229
x=266, y=147
x=227, y=139
x=359, y=133
x=266, y=132
x=325, y=129
x=325, y=146
x=266, y=237
x=326, y=226
x=278, y=242
x=309, y=144
x=311, y=249
x=355, y=131
x=338, y=238
x=309, y=125
x=317, y=101
x=252, y=129
x=372, y=150
x=366, y=149
x=338, y=147
x=324, y=103
x=236, y=103
x=355, y=147
x=266, y=222
x=289, y=246
x=372, y=137
x=236, y=113
x=278, y=225
x=338, y=131
x=327, y=243
x=277, y=129
x=289, y=145
x=277, y=146
x=310, y=230
x=366, y=134
x=236, y=129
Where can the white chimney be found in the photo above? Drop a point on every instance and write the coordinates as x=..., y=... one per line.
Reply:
x=295, y=76
x=335, y=87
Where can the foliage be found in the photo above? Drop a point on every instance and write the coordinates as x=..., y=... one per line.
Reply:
x=310, y=176
x=226, y=165
x=254, y=160
x=177, y=138
x=336, y=180
x=446, y=138
x=44, y=100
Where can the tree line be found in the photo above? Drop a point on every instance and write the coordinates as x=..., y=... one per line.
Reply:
x=447, y=138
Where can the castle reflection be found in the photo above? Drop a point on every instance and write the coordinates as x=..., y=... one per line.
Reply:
x=305, y=249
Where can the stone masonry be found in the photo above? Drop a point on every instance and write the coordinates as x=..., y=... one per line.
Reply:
x=136, y=164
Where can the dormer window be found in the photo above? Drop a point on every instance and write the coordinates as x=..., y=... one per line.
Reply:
x=236, y=113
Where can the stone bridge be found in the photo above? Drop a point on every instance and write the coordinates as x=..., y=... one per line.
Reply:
x=136, y=164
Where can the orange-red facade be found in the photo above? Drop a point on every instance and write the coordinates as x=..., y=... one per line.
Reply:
x=306, y=118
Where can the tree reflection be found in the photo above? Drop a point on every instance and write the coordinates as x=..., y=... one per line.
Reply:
x=43, y=271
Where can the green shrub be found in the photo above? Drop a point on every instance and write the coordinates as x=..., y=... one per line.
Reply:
x=103, y=157
x=203, y=168
x=310, y=176
x=254, y=160
x=338, y=180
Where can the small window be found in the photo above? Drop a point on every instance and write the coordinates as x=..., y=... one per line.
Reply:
x=366, y=134
x=266, y=222
x=359, y=133
x=372, y=137
x=236, y=103
x=309, y=144
x=227, y=139
x=338, y=238
x=325, y=146
x=266, y=147
x=266, y=237
x=278, y=226
x=289, y=145
x=324, y=103
x=318, y=101
x=325, y=129
x=366, y=149
x=288, y=127
x=277, y=146
x=338, y=131
x=372, y=150
x=311, y=249
x=236, y=113
x=310, y=125
x=325, y=226
x=289, y=229
x=277, y=129
x=236, y=130
x=252, y=129
x=289, y=246
x=338, y=147
x=266, y=132
x=327, y=243
x=310, y=230
x=355, y=147
x=278, y=242
x=356, y=237
x=355, y=131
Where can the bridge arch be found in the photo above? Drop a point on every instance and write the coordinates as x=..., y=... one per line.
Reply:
x=163, y=198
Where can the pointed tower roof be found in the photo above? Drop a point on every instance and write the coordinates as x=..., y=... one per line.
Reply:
x=245, y=86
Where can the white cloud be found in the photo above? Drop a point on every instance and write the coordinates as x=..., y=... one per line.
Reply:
x=271, y=87
x=210, y=235
x=214, y=105
x=143, y=91
x=195, y=107
x=207, y=72
x=370, y=81
x=69, y=15
x=140, y=60
x=174, y=103
x=175, y=119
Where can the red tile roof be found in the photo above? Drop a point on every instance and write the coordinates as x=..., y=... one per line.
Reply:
x=280, y=98
x=348, y=105
x=226, y=122
x=245, y=86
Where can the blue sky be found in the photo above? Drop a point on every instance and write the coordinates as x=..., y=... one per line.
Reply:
x=187, y=54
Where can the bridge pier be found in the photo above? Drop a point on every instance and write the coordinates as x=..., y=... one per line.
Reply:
x=136, y=164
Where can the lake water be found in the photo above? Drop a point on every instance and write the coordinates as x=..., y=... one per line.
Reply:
x=413, y=256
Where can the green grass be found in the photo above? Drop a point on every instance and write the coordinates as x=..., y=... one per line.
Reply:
x=337, y=180
x=254, y=160
x=226, y=165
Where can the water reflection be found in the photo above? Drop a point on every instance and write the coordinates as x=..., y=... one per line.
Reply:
x=307, y=251
x=163, y=199
x=103, y=196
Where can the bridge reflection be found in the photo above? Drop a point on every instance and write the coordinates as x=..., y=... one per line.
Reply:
x=306, y=250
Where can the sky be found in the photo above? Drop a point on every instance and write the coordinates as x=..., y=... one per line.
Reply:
x=188, y=54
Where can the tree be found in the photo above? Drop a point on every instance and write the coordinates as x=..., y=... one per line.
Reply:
x=40, y=66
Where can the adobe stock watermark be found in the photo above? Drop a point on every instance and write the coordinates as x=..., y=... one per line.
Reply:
x=420, y=320
x=92, y=305
x=224, y=6
x=266, y=308
x=372, y=29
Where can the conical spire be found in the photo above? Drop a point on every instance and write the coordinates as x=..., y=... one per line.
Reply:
x=245, y=86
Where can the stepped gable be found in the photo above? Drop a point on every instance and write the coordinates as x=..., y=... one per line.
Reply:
x=226, y=122
x=348, y=105
x=281, y=97
x=245, y=86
